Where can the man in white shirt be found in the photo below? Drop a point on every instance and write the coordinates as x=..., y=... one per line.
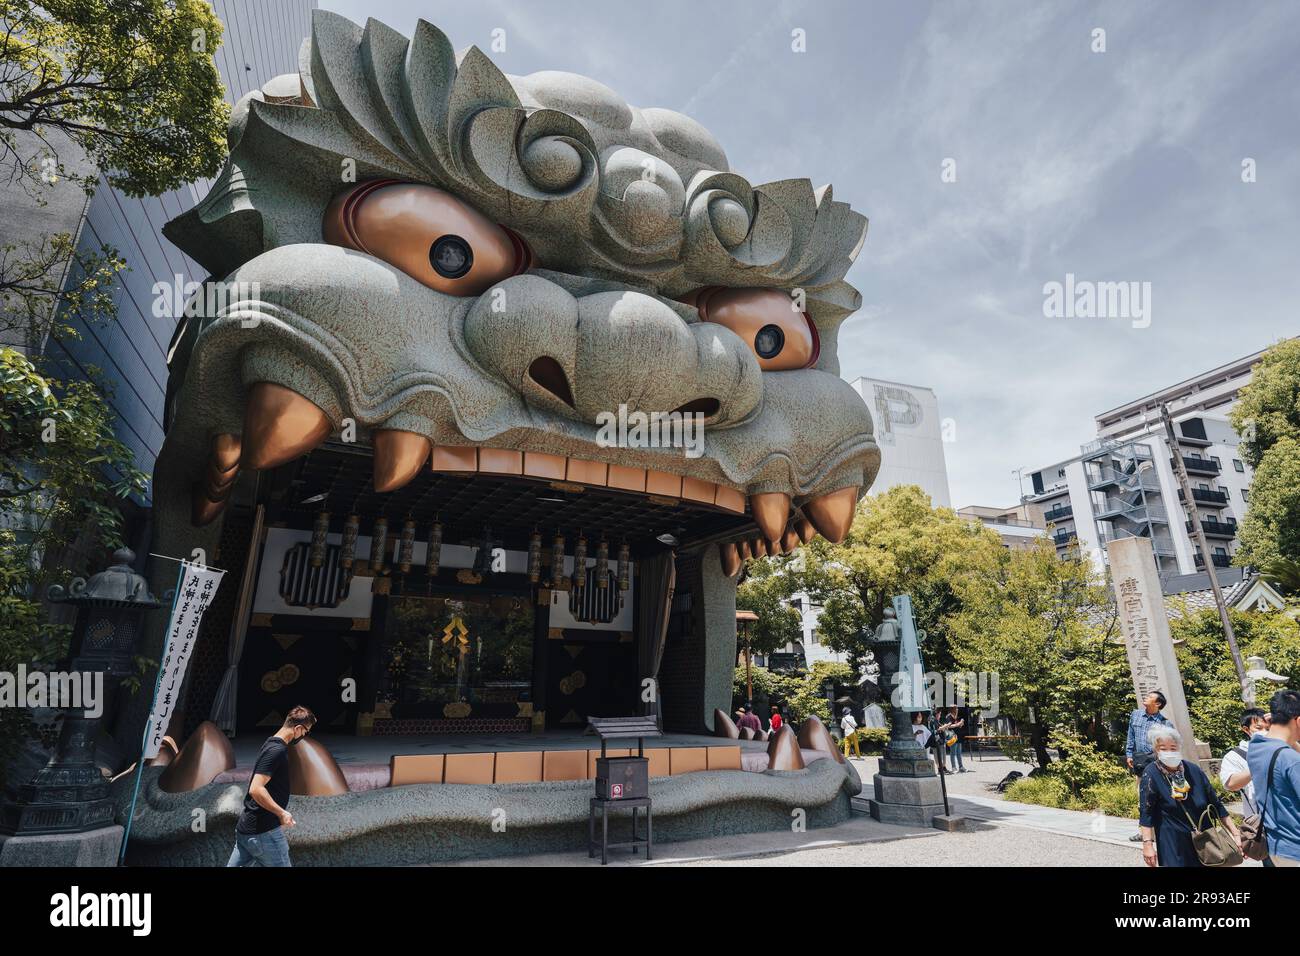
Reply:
x=1234, y=772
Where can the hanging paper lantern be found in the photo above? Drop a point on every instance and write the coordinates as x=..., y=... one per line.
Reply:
x=602, y=564
x=624, y=567
x=580, y=564
x=378, y=545
x=319, y=535
x=407, y=549
x=557, y=561
x=348, y=553
x=535, y=557
x=434, y=556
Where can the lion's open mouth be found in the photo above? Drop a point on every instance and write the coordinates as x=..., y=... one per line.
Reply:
x=450, y=389
x=505, y=488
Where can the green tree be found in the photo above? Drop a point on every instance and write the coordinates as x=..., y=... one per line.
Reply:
x=1046, y=627
x=131, y=83
x=63, y=475
x=1270, y=532
x=1268, y=407
x=802, y=694
x=1209, y=678
x=48, y=285
x=899, y=543
x=766, y=590
x=1267, y=416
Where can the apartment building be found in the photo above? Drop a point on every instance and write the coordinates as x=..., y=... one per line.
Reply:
x=1018, y=528
x=1123, y=483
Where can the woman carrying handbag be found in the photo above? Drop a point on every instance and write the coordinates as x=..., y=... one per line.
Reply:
x=1183, y=821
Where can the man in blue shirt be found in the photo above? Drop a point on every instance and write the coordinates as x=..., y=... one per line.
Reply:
x=1137, y=752
x=1280, y=803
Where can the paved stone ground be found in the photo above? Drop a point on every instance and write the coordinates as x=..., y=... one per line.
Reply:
x=983, y=844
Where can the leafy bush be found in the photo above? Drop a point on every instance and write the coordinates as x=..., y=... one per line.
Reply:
x=1118, y=799
x=1084, y=778
x=1042, y=790
x=872, y=740
x=1082, y=765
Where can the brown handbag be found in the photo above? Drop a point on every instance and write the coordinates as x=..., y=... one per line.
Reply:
x=1215, y=846
x=1254, y=834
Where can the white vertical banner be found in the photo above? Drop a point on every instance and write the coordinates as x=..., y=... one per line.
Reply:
x=194, y=592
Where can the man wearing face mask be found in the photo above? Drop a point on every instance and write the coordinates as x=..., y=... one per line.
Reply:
x=1137, y=751
x=1275, y=771
x=1176, y=800
x=259, y=834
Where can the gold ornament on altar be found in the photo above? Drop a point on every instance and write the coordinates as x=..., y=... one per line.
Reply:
x=272, y=681
x=574, y=682
x=456, y=634
x=456, y=710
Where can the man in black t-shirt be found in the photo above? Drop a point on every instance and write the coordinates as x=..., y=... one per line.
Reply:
x=259, y=834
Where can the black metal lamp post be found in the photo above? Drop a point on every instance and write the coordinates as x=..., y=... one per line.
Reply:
x=70, y=794
x=903, y=756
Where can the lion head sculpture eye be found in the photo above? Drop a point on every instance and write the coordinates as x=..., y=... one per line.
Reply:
x=429, y=234
x=782, y=337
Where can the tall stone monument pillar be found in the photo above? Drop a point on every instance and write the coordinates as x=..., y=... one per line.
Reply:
x=1146, y=634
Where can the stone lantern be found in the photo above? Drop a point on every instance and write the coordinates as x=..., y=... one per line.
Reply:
x=70, y=794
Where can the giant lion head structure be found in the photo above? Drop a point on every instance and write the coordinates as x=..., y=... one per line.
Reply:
x=450, y=257
x=436, y=281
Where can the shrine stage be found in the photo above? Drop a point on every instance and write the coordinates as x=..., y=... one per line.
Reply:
x=408, y=801
x=368, y=762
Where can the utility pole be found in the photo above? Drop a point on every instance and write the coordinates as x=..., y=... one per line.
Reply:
x=1247, y=686
x=1020, y=477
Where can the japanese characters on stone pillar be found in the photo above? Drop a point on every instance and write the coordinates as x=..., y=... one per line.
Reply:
x=1146, y=634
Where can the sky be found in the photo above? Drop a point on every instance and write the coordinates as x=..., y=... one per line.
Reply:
x=996, y=147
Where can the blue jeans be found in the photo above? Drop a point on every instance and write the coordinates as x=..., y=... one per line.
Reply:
x=261, y=849
x=954, y=757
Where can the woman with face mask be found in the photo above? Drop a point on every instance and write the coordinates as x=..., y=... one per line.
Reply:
x=1177, y=800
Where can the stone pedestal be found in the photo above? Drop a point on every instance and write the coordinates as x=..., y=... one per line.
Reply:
x=907, y=801
x=92, y=848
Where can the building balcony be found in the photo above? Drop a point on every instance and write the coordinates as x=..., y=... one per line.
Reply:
x=1198, y=466
x=1058, y=513
x=1063, y=539
x=1220, y=560
x=1203, y=496
x=1216, y=529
